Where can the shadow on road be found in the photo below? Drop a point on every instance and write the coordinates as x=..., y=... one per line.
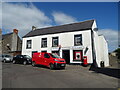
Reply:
x=44, y=67
x=113, y=72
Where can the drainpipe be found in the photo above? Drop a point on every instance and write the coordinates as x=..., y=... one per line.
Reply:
x=94, y=64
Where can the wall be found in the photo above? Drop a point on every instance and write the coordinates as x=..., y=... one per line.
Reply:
x=104, y=50
x=14, y=42
x=97, y=47
x=5, y=41
x=66, y=40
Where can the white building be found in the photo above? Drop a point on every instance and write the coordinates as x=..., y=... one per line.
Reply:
x=76, y=40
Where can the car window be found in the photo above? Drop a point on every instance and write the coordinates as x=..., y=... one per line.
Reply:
x=21, y=56
x=7, y=56
x=55, y=56
x=26, y=56
x=46, y=56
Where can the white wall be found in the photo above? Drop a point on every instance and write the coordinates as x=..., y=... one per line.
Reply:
x=97, y=47
x=104, y=50
x=101, y=49
x=66, y=40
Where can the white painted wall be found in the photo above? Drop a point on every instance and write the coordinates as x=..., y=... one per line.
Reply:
x=101, y=48
x=66, y=40
x=97, y=47
x=104, y=50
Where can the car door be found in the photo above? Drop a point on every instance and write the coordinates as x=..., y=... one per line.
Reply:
x=46, y=59
x=20, y=58
x=38, y=58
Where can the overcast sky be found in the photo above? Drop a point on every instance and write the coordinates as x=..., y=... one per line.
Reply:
x=23, y=16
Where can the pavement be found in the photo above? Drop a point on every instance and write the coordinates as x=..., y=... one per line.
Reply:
x=74, y=76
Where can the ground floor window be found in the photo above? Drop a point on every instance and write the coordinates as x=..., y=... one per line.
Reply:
x=77, y=55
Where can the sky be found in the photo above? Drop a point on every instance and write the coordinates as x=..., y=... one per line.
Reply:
x=23, y=16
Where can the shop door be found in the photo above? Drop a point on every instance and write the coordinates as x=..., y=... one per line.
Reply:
x=66, y=55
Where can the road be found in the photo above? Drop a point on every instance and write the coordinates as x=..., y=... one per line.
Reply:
x=0, y=75
x=74, y=76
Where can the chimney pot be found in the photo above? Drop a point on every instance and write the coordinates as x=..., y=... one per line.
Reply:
x=15, y=31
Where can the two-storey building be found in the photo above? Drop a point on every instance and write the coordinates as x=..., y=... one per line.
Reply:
x=70, y=41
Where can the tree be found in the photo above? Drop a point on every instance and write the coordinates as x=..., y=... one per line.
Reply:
x=118, y=52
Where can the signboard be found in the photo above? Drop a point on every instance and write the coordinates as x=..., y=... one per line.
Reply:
x=77, y=47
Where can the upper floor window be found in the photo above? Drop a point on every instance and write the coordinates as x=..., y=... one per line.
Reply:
x=29, y=44
x=44, y=42
x=78, y=40
x=55, y=41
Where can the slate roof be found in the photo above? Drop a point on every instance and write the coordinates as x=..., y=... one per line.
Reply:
x=85, y=25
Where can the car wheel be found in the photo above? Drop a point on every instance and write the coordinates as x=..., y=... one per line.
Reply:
x=13, y=61
x=25, y=62
x=51, y=66
x=4, y=61
x=33, y=64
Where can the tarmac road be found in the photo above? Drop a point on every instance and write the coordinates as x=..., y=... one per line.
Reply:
x=74, y=76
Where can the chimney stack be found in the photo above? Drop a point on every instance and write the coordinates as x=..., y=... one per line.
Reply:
x=15, y=31
x=33, y=28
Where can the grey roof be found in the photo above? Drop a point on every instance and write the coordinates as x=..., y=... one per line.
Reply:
x=62, y=28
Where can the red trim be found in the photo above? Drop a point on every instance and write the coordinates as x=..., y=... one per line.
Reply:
x=80, y=55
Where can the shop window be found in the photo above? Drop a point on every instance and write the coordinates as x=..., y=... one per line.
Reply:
x=78, y=40
x=29, y=44
x=77, y=55
x=44, y=42
x=55, y=41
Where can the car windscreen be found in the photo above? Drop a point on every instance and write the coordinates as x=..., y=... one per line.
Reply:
x=7, y=56
x=26, y=56
x=54, y=56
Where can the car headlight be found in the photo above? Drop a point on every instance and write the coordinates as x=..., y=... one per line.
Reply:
x=7, y=58
x=56, y=60
x=27, y=59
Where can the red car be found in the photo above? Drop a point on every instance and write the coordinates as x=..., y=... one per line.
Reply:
x=48, y=59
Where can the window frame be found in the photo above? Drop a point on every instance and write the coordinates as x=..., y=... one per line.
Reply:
x=53, y=38
x=28, y=45
x=75, y=41
x=43, y=39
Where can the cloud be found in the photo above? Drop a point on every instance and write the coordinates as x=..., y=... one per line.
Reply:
x=22, y=17
x=62, y=18
x=111, y=37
